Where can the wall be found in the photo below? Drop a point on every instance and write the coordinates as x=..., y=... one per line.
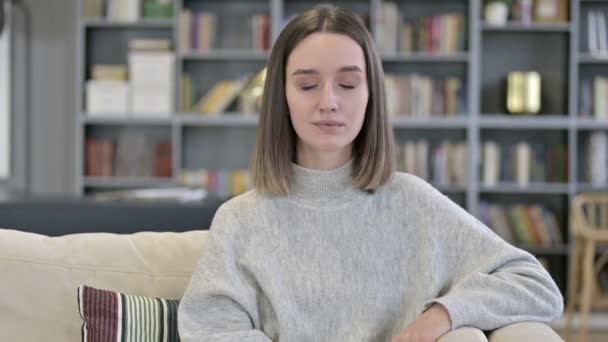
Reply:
x=44, y=161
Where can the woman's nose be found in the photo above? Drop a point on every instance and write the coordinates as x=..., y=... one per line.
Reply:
x=328, y=101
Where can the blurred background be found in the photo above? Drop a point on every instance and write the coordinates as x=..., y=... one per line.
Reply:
x=143, y=113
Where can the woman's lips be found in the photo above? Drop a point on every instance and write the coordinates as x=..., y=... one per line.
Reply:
x=328, y=126
x=328, y=123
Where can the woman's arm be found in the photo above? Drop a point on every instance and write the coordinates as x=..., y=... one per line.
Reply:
x=219, y=303
x=488, y=282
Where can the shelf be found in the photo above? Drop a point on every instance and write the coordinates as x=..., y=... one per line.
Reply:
x=113, y=119
x=244, y=55
x=531, y=188
x=586, y=123
x=545, y=250
x=584, y=187
x=449, y=188
x=426, y=57
x=127, y=182
x=516, y=121
x=588, y=58
x=530, y=28
x=229, y=120
x=144, y=23
x=459, y=122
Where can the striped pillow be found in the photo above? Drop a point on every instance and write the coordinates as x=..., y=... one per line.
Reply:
x=117, y=317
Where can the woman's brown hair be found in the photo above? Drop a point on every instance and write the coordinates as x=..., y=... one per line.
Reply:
x=373, y=148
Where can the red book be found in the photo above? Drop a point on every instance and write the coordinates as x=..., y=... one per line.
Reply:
x=91, y=166
x=163, y=160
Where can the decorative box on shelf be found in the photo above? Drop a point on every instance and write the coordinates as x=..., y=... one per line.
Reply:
x=107, y=97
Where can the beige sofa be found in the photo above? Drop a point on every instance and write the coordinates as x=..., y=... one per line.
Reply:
x=40, y=275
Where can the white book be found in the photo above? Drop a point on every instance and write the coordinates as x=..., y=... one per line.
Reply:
x=428, y=96
x=410, y=157
x=602, y=114
x=440, y=164
x=124, y=10
x=592, y=36
x=523, y=155
x=599, y=93
x=422, y=159
x=389, y=27
x=133, y=10
x=185, y=29
x=491, y=163
x=461, y=158
x=598, y=158
x=601, y=33
x=392, y=96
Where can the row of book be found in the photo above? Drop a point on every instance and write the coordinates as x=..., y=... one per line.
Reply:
x=597, y=158
x=443, y=164
x=593, y=98
x=522, y=224
x=224, y=183
x=199, y=32
x=127, y=10
x=442, y=33
x=414, y=95
x=246, y=91
x=131, y=155
x=597, y=39
x=145, y=86
x=524, y=163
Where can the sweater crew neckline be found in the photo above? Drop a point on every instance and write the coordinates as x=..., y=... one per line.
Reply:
x=324, y=188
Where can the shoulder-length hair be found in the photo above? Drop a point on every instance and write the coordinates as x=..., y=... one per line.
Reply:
x=374, y=159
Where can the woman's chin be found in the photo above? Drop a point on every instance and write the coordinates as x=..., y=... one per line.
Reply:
x=331, y=147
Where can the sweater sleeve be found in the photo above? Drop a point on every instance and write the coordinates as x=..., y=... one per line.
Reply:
x=488, y=283
x=219, y=304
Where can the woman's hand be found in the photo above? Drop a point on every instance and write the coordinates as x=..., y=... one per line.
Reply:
x=430, y=326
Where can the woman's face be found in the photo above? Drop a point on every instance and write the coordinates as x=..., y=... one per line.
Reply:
x=327, y=92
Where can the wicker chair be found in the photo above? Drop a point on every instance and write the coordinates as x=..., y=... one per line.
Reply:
x=589, y=231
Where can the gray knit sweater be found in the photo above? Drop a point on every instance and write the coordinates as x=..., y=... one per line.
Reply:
x=332, y=263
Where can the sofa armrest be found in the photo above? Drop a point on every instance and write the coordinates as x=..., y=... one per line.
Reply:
x=464, y=334
x=525, y=331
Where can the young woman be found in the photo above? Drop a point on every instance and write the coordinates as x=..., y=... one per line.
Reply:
x=333, y=244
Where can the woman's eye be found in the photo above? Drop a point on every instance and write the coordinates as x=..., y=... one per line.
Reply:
x=308, y=87
x=346, y=86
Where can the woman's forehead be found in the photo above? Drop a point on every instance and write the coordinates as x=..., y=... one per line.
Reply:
x=327, y=52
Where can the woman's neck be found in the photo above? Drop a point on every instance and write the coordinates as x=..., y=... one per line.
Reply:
x=316, y=160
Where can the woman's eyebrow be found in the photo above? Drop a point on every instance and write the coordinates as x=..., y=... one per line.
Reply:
x=316, y=72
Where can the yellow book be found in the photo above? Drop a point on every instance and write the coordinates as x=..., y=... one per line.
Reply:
x=220, y=97
x=110, y=72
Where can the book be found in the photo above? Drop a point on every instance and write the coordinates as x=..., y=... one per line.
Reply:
x=109, y=72
x=491, y=163
x=601, y=33
x=134, y=155
x=99, y=157
x=163, y=161
x=592, y=32
x=221, y=96
x=597, y=158
x=124, y=10
x=150, y=44
x=522, y=162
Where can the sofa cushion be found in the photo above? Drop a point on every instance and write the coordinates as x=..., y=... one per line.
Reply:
x=41, y=274
x=111, y=316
